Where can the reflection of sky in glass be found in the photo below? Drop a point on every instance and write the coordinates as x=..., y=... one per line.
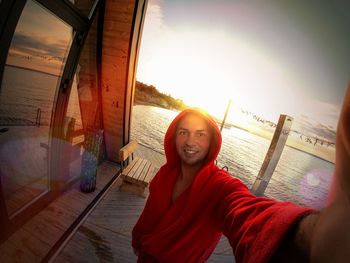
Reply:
x=41, y=40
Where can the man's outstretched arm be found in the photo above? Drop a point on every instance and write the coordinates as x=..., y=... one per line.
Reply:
x=325, y=237
x=330, y=240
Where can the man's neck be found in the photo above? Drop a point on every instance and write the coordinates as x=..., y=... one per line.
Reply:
x=188, y=172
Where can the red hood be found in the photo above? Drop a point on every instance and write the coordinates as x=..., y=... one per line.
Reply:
x=169, y=140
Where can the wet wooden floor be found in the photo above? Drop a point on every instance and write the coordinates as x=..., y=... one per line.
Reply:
x=105, y=235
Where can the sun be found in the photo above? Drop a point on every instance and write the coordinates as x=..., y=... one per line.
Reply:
x=206, y=69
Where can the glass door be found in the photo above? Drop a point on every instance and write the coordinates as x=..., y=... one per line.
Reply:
x=28, y=94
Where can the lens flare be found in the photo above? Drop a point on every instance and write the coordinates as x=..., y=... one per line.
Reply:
x=312, y=188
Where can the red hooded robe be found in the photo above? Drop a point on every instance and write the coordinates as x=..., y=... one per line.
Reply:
x=189, y=229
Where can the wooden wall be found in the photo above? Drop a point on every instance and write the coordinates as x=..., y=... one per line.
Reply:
x=87, y=80
x=123, y=23
x=121, y=37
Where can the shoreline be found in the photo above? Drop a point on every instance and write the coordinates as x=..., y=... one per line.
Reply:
x=143, y=103
x=269, y=138
x=312, y=154
x=34, y=70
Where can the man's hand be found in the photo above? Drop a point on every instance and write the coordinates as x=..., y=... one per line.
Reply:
x=325, y=236
x=330, y=239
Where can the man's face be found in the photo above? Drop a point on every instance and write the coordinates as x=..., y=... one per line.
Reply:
x=192, y=139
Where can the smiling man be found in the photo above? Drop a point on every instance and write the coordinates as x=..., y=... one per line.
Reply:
x=192, y=203
x=193, y=137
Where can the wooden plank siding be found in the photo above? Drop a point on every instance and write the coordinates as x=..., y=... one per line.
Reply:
x=115, y=52
x=119, y=55
x=87, y=73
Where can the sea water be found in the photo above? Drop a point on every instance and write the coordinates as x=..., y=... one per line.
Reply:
x=298, y=177
x=23, y=93
x=28, y=94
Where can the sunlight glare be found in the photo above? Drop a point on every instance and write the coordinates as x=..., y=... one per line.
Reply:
x=208, y=69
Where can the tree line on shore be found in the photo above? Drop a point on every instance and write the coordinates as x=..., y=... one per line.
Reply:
x=149, y=95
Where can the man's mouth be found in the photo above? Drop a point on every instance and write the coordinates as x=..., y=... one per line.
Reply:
x=190, y=151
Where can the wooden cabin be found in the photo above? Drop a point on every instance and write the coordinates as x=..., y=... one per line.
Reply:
x=67, y=72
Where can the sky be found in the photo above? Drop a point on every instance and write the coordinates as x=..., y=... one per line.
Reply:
x=40, y=45
x=268, y=57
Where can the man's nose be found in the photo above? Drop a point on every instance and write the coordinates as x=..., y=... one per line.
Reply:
x=190, y=140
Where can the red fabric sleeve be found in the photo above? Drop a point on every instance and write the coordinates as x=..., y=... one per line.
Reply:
x=255, y=226
x=146, y=220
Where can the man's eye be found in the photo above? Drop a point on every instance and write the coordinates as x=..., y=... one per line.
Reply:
x=201, y=134
x=182, y=132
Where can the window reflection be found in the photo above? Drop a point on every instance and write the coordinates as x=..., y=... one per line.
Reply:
x=82, y=99
x=32, y=73
x=74, y=132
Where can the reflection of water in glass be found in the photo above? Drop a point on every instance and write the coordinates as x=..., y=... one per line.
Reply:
x=23, y=164
x=23, y=92
x=35, y=61
x=298, y=177
x=22, y=147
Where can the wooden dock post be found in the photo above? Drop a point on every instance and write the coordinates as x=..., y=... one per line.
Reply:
x=273, y=155
x=226, y=112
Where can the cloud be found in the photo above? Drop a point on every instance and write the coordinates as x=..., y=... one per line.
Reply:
x=322, y=112
x=154, y=27
x=304, y=126
x=38, y=46
x=310, y=128
x=202, y=64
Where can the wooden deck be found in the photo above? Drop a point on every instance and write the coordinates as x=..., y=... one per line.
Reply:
x=105, y=235
x=35, y=239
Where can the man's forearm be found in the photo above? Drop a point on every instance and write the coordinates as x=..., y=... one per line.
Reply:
x=304, y=234
x=296, y=245
x=330, y=240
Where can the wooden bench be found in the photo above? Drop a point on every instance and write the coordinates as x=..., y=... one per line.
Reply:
x=138, y=172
